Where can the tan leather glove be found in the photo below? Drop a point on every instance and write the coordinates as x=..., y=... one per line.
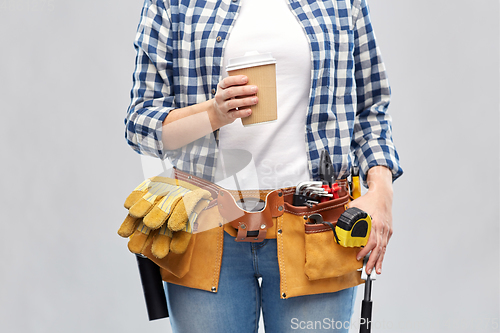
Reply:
x=162, y=212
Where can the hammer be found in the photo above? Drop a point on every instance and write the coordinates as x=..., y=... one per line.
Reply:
x=366, y=304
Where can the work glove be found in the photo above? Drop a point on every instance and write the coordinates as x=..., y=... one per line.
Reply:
x=162, y=213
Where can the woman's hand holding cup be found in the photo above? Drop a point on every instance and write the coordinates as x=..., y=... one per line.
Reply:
x=234, y=99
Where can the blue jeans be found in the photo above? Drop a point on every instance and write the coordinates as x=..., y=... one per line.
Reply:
x=235, y=308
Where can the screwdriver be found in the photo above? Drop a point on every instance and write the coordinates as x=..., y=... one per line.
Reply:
x=355, y=183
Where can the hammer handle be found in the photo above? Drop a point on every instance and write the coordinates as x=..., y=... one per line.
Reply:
x=366, y=317
x=152, y=285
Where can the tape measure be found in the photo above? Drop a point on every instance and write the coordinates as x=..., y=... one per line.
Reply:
x=353, y=228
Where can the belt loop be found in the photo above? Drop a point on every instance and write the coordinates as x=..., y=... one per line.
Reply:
x=251, y=226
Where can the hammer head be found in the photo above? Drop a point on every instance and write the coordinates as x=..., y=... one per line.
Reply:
x=364, y=276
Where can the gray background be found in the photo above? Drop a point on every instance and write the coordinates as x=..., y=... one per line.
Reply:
x=65, y=69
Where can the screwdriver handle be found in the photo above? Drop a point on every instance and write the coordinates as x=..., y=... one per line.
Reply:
x=355, y=183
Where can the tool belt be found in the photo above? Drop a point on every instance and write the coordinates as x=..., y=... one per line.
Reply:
x=310, y=260
x=324, y=258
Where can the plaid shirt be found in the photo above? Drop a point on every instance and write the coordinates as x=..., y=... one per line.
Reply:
x=179, y=47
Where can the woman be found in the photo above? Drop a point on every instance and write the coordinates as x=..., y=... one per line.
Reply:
x=332, y=94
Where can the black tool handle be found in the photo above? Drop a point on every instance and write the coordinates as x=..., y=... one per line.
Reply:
x=366, y=317
x=152, y=285
x=365, y=325
x=300, y=200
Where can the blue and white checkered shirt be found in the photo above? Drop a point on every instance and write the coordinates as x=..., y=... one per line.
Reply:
x=180, y=45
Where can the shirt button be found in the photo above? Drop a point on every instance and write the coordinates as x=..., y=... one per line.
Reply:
x=219, y=38
x=213, y=91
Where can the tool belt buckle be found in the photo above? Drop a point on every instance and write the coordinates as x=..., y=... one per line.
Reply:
x=252, y=222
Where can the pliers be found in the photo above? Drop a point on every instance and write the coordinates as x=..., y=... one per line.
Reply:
x=327, y=176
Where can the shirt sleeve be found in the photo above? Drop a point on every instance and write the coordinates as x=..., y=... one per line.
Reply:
x=372, y=139
x=152, y=96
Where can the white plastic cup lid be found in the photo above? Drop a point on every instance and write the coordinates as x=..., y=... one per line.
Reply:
x=250, y=59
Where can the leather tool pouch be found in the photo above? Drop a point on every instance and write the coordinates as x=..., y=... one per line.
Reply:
x=177, y=264
x=324, y=258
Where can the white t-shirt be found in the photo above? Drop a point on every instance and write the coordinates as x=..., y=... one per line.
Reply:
x=276, y=151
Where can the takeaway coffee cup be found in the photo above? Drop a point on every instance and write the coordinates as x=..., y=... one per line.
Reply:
x=260, y=68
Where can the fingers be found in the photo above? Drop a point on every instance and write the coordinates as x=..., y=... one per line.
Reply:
x=234, y=97
x=377, y=256
x=238, y=103
x=237, y=92
x=365, y=250
x=377, y=202
x=236, y=80
x=377, y=245
x=235, y=86
x=378, y=264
